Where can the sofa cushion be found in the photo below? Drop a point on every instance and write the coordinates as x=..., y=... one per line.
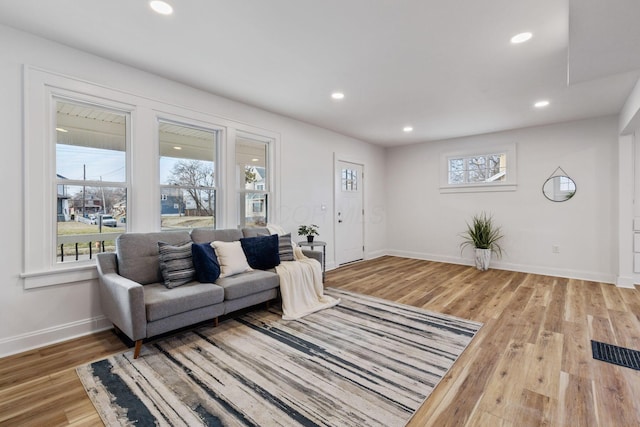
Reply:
x=205, y=262
x=249, y=283
x=231, y=258
x=261, y=251
x=255, y=231
x=176, y=263
x=138, y=254
x=161, y=302
x=205, y=235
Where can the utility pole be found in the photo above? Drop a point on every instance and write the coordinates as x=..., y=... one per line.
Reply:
x=104, y=204
x=84, y=178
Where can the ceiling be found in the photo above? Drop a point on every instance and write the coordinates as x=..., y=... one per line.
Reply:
x=447, y=69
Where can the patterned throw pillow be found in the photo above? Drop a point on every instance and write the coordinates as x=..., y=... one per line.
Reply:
x=176, y=264
x=285, y=248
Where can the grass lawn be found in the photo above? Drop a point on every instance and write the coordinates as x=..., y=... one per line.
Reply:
x=72, y=228
x=186, y=221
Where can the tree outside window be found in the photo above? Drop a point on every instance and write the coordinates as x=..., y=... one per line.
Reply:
x=91, y=178
x=484, y=168
x=187, y=176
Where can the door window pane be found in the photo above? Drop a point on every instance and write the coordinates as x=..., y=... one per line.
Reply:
x=349, y=180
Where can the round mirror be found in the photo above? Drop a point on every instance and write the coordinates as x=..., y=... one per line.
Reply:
x=559, y=188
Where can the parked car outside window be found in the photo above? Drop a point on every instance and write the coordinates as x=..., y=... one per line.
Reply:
x=109, y=221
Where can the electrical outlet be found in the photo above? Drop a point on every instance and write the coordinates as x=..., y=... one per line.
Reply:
x=555, y=249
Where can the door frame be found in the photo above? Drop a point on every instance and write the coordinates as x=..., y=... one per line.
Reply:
x=336, y=188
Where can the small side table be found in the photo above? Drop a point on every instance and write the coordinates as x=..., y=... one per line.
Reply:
x=311, y=245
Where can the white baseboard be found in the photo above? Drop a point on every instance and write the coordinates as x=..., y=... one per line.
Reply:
x=367, y=256
x=546, y=271
x=375, y=254
x=625, y=282
x=52, y=335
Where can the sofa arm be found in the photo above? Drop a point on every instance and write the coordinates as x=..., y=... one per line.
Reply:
x=317, y=255
x=122, y=300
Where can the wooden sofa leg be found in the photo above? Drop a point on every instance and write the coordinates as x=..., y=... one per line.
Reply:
x=215, y=322
x=136, y=351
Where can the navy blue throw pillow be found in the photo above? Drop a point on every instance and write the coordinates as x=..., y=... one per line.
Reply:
x=205, y=262
x=261, y=252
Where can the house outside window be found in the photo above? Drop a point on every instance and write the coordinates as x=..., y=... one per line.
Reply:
x=252, y=166
x=91, y=184
x=187, y=175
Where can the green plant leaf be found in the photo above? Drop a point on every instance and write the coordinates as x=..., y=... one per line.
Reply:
x=482, y=233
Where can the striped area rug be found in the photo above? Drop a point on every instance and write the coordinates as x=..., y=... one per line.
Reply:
x=365, y=362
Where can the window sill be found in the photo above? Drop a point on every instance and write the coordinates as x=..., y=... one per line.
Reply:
x=477, y=188
x=41, y=279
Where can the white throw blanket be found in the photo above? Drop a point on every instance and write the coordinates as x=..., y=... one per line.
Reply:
x=301, y=287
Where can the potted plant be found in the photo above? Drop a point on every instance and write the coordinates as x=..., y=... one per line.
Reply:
x=483, y=235
x=309, y=231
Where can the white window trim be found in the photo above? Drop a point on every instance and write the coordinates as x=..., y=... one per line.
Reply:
x=42, y=89
x=512, y=173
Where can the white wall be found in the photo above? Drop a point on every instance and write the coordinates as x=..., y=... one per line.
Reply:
x=629, y=190
x=585, y=227
x=37, y=317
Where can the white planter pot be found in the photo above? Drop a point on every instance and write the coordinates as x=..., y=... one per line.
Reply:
x=483, y=259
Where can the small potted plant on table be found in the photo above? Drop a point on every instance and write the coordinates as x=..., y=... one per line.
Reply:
x=483, y=235
x=308, y=230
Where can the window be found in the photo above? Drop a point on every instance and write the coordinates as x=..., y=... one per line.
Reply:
x=81, y=191
x=349, y=180
x=478, y=169
x=493, y=169
x=252, y=157
x=187, y=176
x=91, y=185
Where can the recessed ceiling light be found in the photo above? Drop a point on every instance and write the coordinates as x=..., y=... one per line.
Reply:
x=255, y=160
x=407, y=129
x=62, y=130
x=541, y=104
x=177, y=148
x=521, y=38
x=163, y=8
x=337, y=95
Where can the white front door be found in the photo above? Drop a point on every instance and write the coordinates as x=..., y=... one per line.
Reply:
x=349, y=215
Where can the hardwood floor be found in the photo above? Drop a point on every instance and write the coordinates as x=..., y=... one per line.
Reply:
x=530, y=364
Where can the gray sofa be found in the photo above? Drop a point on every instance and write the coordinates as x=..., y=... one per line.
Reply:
x=135, y=300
